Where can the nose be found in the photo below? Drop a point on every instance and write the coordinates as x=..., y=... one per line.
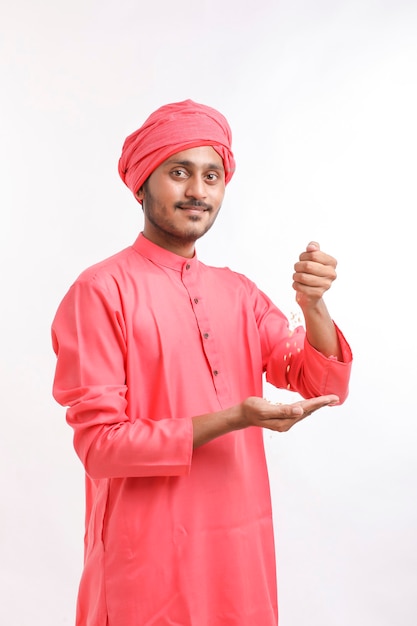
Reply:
x=196, y=188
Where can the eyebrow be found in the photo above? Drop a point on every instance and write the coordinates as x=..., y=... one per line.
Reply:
x=186, y=163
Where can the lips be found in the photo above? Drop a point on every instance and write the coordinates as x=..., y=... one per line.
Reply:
x=193, y=205
x=193, y=209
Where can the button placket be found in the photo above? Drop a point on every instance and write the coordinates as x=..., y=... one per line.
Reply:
x=189, y=280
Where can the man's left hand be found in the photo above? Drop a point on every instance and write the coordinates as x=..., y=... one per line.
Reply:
x=314, y=274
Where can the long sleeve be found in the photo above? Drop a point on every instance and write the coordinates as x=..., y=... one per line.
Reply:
x=290, y=362
x=89, y=338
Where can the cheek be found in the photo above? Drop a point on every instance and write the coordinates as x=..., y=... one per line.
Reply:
x=218, y=199
x=160, y=200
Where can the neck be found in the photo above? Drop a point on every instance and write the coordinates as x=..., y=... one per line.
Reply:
x=181, y=248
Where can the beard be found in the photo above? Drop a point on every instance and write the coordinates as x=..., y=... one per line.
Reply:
x=174, y=224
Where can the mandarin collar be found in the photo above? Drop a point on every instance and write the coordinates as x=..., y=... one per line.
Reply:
x=160, y=256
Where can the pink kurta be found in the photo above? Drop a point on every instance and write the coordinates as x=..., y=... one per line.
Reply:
x=145, y=340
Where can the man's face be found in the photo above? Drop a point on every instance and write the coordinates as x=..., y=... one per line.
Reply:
x=182, y=197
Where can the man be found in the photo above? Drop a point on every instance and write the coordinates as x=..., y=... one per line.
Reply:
x=160, y=360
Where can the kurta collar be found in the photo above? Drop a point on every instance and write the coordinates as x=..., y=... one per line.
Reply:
x=160, y=256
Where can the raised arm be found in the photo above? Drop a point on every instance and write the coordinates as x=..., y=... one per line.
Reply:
x=314, y=274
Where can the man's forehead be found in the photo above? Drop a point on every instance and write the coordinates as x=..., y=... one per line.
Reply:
x=200, y=156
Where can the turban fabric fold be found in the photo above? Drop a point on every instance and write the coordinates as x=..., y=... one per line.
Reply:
x=171, y=129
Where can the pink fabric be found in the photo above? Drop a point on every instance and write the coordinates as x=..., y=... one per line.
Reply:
x=171, y=129
x=145, y=340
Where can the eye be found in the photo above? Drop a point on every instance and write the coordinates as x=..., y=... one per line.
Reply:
x=178, y=173
x=212, y=177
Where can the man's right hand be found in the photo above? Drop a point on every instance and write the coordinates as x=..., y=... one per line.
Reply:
x=255, y=411
x=281, y=417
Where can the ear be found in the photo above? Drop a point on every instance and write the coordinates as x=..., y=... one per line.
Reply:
x=140, y=194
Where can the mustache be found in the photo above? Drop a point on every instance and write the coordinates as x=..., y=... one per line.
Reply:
x=193, y=204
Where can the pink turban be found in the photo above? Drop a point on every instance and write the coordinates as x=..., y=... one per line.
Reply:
x=171, y=129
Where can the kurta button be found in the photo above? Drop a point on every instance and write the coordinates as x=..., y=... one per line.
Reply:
x=215, y=372
x=206, y=335
x=196, y=300
x=187, y=267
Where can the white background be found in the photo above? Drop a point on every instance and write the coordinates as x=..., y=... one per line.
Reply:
x=322, y=101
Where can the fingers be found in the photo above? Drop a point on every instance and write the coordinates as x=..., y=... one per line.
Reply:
x=314, y=273
x=281, y=417
x=312, y=285
x=313, y=276
x=297, y=408
x=313, y=245
x=313, y=253
x=313, y=404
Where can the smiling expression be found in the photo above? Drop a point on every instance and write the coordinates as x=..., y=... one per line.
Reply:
x=182, y=198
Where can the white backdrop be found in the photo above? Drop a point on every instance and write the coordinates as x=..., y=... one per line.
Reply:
x=322, y=99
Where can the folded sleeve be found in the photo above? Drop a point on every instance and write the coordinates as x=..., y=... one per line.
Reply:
x=89, y=339
x=290, y=361
x=295, y=365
